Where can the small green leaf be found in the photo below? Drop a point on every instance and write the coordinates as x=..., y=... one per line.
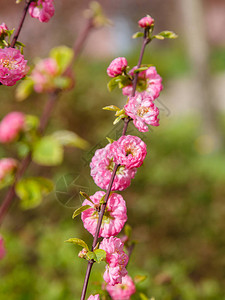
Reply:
x=47, y=151
x=24, y=89
x=110, y=140
x=111, y=107
x=141, y=69
x=70, y=139
x=166, y=34
x=31, y=122
x=121, y=113
x=137, y=35
x=62, y=82
x=91, y=255
x=113, y=83
x=32, y=190
x=100, y=255
x=158, y=37
x=143, y=296
x=128, y=230
x=63, y=56
x=139, y=278
x=80, y=210
x=78, y=242
x=117, y=120
x=83, y=194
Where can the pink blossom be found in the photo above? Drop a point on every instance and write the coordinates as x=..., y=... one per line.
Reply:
x=96, y=297
x=42, y=10
x=116, y=260
x=11, y=126
x=7, y=166
x=102, y=166
x=122, y=291
x=43, y=75
x=117, y=66
x=130, y=151
x=149, y=81
x=3, y=29
x=115, y=215
x=143, y=111
x=13, y=67
x=146, y=22
x=2, y=248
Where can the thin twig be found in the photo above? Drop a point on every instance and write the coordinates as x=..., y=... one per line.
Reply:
x=126, y=122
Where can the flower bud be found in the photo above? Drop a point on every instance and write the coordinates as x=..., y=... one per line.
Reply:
x=7, y=166
x=83, y=253
x=117, y=66
x=3, y=29
x=146, y=22
x=11, y=126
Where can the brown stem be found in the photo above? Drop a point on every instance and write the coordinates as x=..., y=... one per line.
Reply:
x=16, y=35
x=126, y=122
x=43, y=124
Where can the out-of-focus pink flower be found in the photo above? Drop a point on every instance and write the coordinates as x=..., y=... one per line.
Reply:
x=10, y=127
x=116, y=260
x=148, y=81
x=2, y=248
x=7, y=166
x=43, y=10
x=43, y=75
x=129, y=151
x=95, y=297
x=143, y=111
x=146, y=22
x=122, y=291
x=13, y=67
x=102, y=166
x=117, y=66
x=3, y=29
x=115, y=215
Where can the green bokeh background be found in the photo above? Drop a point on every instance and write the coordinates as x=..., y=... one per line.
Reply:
x=175, y=203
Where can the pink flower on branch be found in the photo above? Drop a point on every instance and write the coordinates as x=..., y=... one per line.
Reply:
x=129, y=151
x=122, y=291
x=10, y=127
x=102, y=166
x=149, y=81
x=116, y=260
x=117, y=66
x=143, y=111
x=43, y=10
x=2, y=248
x=96, y=297
x=13, y=67
x=115, y=215
x=7, y=166
x=146, y=22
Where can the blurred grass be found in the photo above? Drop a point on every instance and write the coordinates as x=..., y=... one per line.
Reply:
x=175, y=203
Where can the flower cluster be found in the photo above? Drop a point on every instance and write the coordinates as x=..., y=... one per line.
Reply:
x=11, y=126
x=117, y=67
x=115, y=215
x=116, y=260
x=13, y=67
x=43, y=10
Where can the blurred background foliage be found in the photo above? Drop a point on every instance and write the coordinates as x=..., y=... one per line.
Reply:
x=176, y=201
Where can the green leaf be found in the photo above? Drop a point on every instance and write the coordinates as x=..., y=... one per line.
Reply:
x=80, y=210
x=83, y=194
x=63, y=56
x=32, y=190
x=111, y=107
x=78, y=242
x=128, y=230
x=47, y=151
x=137, y=35
x=141, y=69
x=110, y=140
x=91, y=255
x=7, y=180
x=166, y=34
x=143, y=296
x=24, y=89
x=70, y=139
x=31, y=122
x=117, y=120
x=100, y=255
x=139, y=278
x=62, y=82
x=113, y=83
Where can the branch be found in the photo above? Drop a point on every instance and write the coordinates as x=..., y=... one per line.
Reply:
x=126, y=122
